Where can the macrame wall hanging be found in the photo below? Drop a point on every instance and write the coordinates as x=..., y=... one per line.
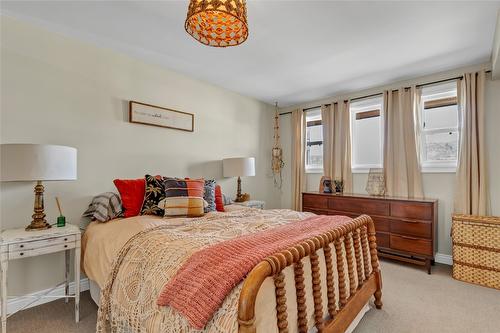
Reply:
x=277, y=153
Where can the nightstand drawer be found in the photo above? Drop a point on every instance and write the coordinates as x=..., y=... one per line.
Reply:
x=41, y=250
x=31, y=245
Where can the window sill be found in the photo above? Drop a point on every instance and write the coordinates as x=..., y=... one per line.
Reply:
x=314, y=171
x=428, y=169
x=432, y=169
x=366, y=169
x=360, y=170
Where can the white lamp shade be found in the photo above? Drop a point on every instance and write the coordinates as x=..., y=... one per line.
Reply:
x=238, y=167
x=32, y=162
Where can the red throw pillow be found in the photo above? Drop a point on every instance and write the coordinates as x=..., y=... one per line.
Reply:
x=132, y=194
x=219, y=202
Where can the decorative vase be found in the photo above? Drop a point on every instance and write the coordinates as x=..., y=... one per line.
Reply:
x=376, y=182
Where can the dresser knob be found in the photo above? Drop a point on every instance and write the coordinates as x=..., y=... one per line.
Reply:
x=21, y=245
x=65, y=239
x=65, y=245
x=21, y=254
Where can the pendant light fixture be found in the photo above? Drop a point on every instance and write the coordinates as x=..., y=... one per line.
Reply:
x=218, y=23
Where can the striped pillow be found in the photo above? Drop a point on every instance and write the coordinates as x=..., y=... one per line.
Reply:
x=104, y=207
x=183, y=206
x=184, y=197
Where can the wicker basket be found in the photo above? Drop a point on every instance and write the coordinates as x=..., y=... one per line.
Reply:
x=476, y=249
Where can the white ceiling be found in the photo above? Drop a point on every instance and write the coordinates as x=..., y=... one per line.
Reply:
x=297, y=51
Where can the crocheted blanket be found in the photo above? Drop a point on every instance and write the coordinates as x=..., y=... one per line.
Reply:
x=202, y=283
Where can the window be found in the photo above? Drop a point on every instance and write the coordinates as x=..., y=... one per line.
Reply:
x=314, y=141
x=367, y=134
x=439, y=128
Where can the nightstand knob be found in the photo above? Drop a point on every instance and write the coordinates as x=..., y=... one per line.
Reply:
x=21, y=245
x=21, y=254
x=65, y=239
x=65, y=245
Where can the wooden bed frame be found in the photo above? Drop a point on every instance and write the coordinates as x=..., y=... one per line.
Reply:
x=359, y=233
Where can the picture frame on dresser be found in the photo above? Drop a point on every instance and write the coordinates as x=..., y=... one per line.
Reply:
x=406, y=229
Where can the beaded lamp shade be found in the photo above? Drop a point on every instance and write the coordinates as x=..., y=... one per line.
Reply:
x=218, y=23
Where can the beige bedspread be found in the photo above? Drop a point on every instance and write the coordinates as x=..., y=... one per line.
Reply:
x=132, y=259
x=101, y=242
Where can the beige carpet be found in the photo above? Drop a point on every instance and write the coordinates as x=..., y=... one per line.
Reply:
x=413, y=302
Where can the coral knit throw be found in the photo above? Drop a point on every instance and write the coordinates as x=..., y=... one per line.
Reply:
x=202, y=283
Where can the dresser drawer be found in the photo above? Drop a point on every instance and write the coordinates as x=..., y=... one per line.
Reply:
x=383, y=239
x=41, y=250
x=382, y=224
x=314, y=201
x=411, y=244
x=416, y=229
x=415, y=210
x=30, y=245
x=360, y=206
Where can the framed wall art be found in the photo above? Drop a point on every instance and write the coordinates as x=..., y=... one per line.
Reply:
x=147, y=114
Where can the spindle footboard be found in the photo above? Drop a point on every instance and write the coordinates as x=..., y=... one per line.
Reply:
x=363, y=276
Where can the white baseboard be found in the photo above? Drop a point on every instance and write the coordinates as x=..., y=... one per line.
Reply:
x=16, y=303
x=444, y=259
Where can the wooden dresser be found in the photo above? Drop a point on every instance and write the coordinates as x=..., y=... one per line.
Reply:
x=406, y=228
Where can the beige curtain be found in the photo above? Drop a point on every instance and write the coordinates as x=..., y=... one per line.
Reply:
x=298, y=156
x=471, y=193
x=328, y=126
x=401, y=156
x=337, y=143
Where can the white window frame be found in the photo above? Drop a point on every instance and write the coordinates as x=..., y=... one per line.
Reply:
x=362, y=106
x=306, y=168
x=436, y=92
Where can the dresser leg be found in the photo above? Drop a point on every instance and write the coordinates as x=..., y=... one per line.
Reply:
x=4, y=265
x=428, y=266
x=66, y=275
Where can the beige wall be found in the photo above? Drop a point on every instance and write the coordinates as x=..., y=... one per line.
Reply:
x=61, y=91
x=436, y=185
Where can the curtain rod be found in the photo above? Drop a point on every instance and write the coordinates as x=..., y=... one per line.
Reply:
x=394, y=90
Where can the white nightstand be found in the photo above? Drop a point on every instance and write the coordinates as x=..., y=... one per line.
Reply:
x=18, y=243
x=251, y=203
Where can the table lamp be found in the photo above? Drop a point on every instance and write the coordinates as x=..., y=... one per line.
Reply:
x=238, y=167
x=37, y=162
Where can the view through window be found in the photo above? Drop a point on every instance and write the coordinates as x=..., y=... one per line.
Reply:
x=439, y=126
x=367, y=134
x=314, y=140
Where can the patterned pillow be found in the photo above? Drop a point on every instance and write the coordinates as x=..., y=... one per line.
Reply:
x=175, y=187
x=155, y=192
x=209, y=195
x=184, y=197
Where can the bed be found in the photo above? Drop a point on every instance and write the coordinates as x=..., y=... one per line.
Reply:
x=323, y=283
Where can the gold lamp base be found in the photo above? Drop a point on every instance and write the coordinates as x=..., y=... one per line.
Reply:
x=39, y=222
x=239, y=196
